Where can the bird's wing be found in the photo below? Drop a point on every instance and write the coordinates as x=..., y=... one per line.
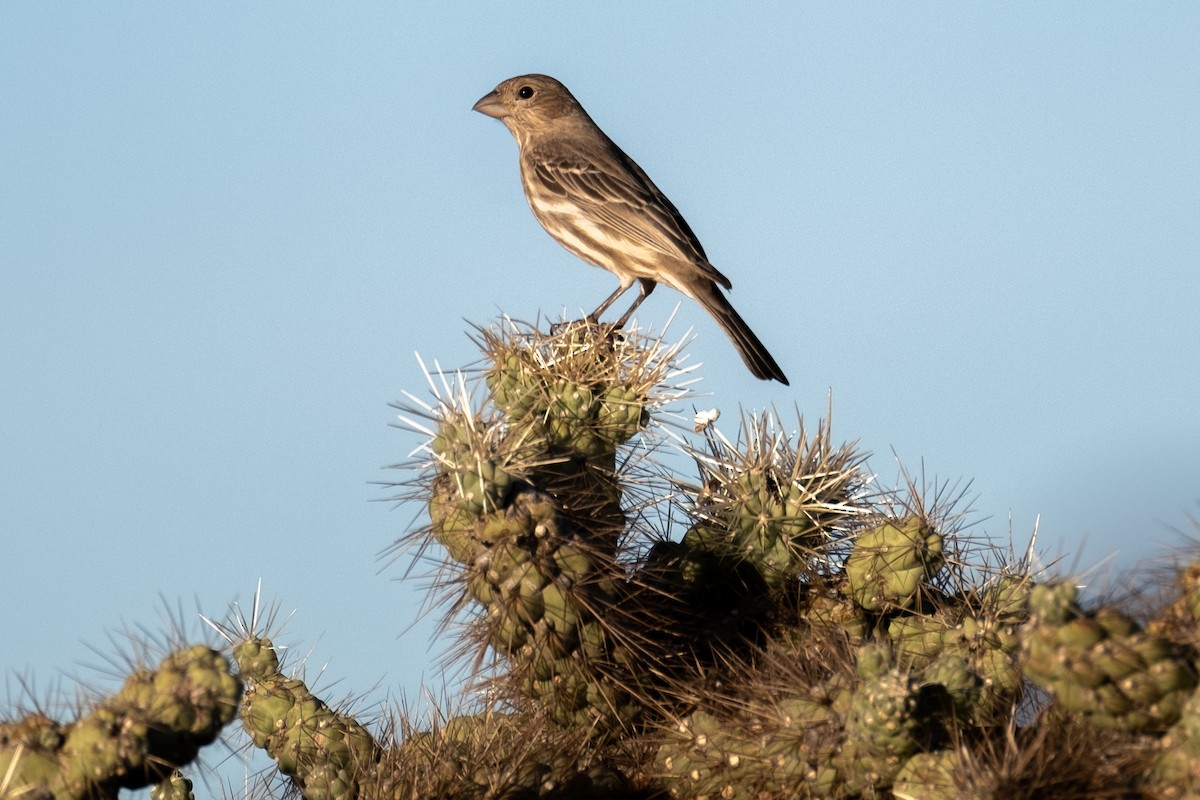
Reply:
x=613, y=189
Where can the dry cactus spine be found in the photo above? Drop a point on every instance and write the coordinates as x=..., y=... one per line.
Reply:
x=1102, y=665
x=786, y=741
x=158, y=721
x=494, y=754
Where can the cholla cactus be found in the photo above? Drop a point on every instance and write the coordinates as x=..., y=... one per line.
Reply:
x=1103, y=665
x=778, y=627
x=158, y=721
x=175, y=787
x=930, y=776
x=980, y=633
x=1176, y=772
x=892, y=561
x=477, y=756
x=1178, y=620
x=525, y=494
x=785, y=743
x=774, y=501
x=882, y=721
x=325, y=752
x=784, y=545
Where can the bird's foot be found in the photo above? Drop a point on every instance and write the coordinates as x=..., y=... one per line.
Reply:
x=603, y=330
x=609, y=330
x=586, y=322
x=566, y=325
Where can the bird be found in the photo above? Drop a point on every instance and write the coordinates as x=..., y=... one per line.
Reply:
x=596, y=202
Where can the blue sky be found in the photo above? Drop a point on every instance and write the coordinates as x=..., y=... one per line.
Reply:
x=224, y=231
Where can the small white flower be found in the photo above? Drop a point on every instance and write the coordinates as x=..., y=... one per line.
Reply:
x=705, y=418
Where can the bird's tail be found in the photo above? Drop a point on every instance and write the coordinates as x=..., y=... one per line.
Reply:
x=752, y=351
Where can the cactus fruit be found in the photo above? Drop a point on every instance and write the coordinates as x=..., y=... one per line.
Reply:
x=892, y=562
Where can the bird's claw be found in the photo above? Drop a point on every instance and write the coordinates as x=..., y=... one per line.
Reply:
x=566, y=325
x=607, y=330
x=589, y=321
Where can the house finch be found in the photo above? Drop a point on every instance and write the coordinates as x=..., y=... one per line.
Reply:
x=597, y=203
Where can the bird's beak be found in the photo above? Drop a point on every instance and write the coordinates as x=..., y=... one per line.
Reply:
x=492, y=105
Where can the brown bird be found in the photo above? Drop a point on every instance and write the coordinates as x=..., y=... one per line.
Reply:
x=598, y=204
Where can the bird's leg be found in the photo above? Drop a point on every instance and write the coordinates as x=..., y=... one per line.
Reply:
x=594, y=317
x=647, y=287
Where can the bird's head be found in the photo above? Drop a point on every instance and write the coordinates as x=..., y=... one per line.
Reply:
x=530, y=104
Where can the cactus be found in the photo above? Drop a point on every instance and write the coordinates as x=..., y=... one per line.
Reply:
x=1103, y=665
x=1178, y=620
x=326, y=753
x=775, y=742
x=882, y=722
x=891, y=562
x=491, y=754
x=981, y=634
x=929, y=776
x=158, y=721
x=1176, y=771
x=774, y=501
x=776, y=627
x=176, y=787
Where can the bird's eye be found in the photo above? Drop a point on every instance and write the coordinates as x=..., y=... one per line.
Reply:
x=525, y=92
